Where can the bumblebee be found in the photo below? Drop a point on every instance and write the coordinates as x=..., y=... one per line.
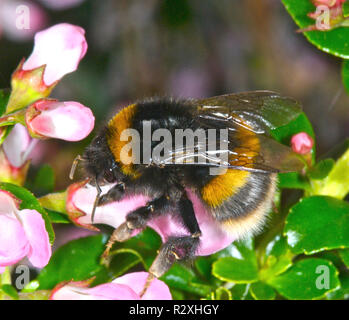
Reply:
x=240, y=193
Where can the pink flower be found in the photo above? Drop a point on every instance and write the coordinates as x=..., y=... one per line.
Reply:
x=57, y=51
x=80, y=201
x=14, y=155
x=21, y=19
x=302, y=143
x=127, y=287
x=69, y=120
x=22, y=233
x=60, y=48
x=18, y=145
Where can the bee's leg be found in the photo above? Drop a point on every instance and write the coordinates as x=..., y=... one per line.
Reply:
x=137, y=219
x=116, y=193
x=179, y=248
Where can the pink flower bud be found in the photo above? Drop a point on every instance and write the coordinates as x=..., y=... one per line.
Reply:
x=60, y=48
x=27, y=227
x=69, y=120
x=302, y=143
x=57, y=51
x=80, y=202
x=127, y=287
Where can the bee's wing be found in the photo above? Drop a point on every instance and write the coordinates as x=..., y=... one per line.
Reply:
x=260, y=110
x=246, y=146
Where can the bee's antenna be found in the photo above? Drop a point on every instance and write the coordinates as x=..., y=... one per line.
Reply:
x=74, y=165
x=99, y=191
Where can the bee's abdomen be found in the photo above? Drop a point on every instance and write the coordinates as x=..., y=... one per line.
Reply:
x=250, y=200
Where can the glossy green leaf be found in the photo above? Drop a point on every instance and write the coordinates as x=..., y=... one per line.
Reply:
x=77, y=260
x=318, y=223
x=345, y=75
x=307, y=279
x=262, y=291
x=28, y=201
x=277, y=258
x=342, y=292
x=293, y=180
x=240, y=266
x=204, y=266
x=334, y=41
x=321, y=169
x=300, y=124
x=183, y=278
x=241, y=292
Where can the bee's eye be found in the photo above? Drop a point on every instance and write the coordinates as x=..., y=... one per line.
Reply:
x=109, y=175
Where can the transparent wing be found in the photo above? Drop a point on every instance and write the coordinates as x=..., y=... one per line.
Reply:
x=246, y=119
x=262, y=111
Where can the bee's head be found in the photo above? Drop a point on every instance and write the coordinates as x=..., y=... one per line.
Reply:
x=98, y=161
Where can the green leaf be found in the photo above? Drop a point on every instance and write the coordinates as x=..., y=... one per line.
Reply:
x=77, y=260
x=344, y=254
x=57, y=217
x=182, y=278
x=307, y=279
x=321, y=169
x=318, y=223
x=223, y=294
x=300, y=124
x=29, y=202
x=241, y=292
x=10, y=291
x=277, y=258
x=45, y=180
x=333, y=41
x=204, y=266
x=342, y=292
x=123, y=260
x=336, y=184
x=240, y=266
x=345, y=74
x=262, y=291
x=4, y=96
x=293, y=180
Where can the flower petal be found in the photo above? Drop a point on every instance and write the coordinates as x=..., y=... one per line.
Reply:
x=107, y=291
x=157, y=290
x=69, y=120
x=112, y=214
x=8, y=203
x=16, y=144
x=34, y=227
x=14, y=244
x=213, y=238
x=60, y=48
